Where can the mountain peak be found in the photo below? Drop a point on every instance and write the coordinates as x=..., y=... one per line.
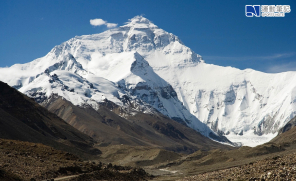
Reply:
x=140, y=21
x=68, y=63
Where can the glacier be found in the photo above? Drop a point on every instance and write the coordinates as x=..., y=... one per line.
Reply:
x=144, y=66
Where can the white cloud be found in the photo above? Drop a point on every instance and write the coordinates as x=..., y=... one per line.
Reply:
x=291, y=66
x=247, y=58
x=100, y=22
x=274, y=63
x=97, y=22
x=111, y=25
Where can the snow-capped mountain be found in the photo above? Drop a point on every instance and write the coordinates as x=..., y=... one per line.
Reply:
x=144, y=66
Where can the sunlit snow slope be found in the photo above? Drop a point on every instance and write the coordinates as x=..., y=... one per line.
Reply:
x=154, y=68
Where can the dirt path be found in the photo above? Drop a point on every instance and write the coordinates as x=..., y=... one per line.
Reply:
x=65, y=178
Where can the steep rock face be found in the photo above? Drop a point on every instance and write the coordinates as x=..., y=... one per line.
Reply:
x=149, y=68
x=290, y=125
x=246, y=105
x=139, y=80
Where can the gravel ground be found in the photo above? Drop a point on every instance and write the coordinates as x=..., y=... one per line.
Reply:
x=272, y=168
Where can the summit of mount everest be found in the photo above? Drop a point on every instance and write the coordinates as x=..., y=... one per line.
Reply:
x=143, y=68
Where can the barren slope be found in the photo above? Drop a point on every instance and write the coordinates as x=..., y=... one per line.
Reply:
x=23, y=119
x=108, y=126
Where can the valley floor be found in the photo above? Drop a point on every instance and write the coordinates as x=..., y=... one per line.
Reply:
x=265, y=162
x=272, y=166
x=26, y=161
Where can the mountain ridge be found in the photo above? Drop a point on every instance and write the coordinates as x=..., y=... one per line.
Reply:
x=246, y=106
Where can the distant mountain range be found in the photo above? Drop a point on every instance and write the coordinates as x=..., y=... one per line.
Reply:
x=146, y=73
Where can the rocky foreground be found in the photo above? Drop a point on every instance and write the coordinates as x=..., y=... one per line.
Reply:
x=30, y=161
x=272, y=168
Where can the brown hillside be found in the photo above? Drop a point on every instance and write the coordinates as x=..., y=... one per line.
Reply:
x=25, y=120
x=109, y=128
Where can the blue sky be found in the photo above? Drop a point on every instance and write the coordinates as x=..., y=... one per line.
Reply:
x=217, y=30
